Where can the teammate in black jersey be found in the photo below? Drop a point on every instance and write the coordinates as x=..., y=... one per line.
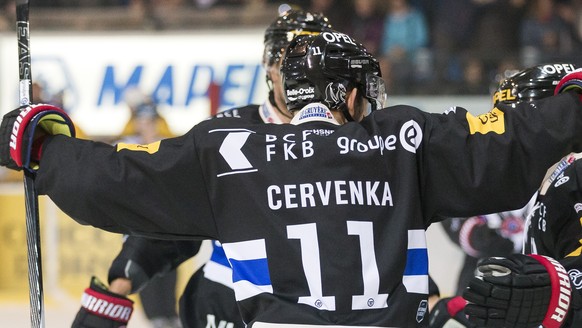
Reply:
x=498, y=234
x=208, y=299
x=322, y=220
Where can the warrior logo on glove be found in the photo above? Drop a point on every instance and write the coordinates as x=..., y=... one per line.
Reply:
x=28, y=127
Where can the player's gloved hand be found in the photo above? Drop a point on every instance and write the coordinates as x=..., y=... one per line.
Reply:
x=101, y=308
x=23, y=131
x=449, y=313
x=571, y=81
x=519, y=291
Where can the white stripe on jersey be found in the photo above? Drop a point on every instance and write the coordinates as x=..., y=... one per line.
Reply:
x=248, y=260
x=218, y=273
x=417, y=283
x=244, y=289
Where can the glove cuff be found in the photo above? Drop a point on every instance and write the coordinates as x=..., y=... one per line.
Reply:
x=103, y=303
x=561, y=292
x=33, y=114
x=456, y=305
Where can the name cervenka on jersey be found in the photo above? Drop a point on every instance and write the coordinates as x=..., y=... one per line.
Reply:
x=369, y=193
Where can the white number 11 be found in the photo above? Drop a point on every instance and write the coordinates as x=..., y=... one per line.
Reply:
x=371, y=299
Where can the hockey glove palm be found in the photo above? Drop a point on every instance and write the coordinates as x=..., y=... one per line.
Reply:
x=102, y=308
x=519, y=291
x=23, y=131
x=570, y=81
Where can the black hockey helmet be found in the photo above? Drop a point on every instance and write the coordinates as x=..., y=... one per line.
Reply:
x=286, y=27
x=532, y=83
x=322, y=68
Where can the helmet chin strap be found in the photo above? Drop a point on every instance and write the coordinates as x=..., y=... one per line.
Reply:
x=284, y=113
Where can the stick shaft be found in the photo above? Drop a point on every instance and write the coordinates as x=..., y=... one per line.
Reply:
x=31, y=196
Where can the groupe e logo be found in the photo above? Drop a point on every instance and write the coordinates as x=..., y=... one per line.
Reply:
x=410, y=137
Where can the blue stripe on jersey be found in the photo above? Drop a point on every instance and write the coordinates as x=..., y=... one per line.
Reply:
x=416, y=262
x=254, y=271
x=218, y=255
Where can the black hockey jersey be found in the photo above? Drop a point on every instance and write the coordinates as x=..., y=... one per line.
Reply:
x=322, y=224
x=555, y=226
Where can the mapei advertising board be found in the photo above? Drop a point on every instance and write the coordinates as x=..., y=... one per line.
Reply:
x=93, y=72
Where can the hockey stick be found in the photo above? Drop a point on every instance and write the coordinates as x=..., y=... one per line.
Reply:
x=30, y=193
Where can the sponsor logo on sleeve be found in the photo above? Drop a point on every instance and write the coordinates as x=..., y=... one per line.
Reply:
x=149, y=148
x=493, y=121
x=410, y=136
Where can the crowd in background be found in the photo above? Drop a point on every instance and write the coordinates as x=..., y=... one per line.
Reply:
x=449, y=47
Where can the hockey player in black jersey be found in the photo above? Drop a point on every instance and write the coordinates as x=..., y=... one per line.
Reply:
x=500, y=234
x=322, y=220
x=208, y=299
x=497, y=234
x=499, y=295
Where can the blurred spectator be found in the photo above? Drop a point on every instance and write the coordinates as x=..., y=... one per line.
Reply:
x=496, y=34
x=205, y=4
x=139, y=103
x=366, y=24
x=544, y=35
x=571, y=12
x=506, y=68
x=7, y=15
x=475, y=80
x=337, y=13
x=452, y=28
x=405, y=35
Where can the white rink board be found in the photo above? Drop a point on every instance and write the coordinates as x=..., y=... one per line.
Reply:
x=94, y=70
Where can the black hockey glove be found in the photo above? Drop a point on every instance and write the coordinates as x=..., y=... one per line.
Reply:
x=570, y=81
x=23, y=131
x=519, y=291
x=449, y=313
x=101, y=308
